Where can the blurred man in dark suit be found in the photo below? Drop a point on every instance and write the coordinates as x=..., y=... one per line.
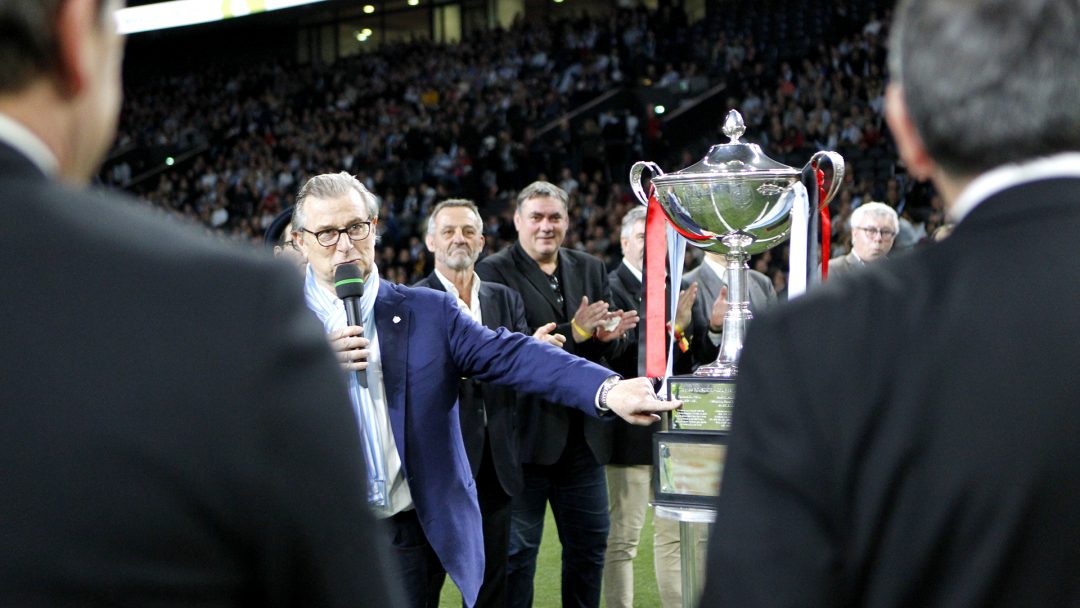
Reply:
x=455, y=235
x=929, y=458
x=176, y=432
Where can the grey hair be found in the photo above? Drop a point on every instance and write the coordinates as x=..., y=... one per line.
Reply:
x=331, y=185
x=454, y=202
x=539, y=189
x=635, y=215
x=874, y=209
x=28, y=47
x=989, y=82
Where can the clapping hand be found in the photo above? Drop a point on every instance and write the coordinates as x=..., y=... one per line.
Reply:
x=624, y=321
x=543, y=333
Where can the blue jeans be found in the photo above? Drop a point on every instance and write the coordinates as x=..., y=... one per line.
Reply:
x=577, y=489
x=419, y=568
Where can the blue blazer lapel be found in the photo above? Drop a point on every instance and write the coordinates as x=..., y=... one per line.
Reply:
x=392, y=325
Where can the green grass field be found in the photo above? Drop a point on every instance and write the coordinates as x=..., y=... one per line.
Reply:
x=548, y=568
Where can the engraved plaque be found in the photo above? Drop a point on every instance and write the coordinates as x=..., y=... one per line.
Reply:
x=706, y=403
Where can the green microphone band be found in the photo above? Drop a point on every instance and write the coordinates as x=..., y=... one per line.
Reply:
x=347, y=281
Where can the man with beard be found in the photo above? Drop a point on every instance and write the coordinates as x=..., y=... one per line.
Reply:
x=487, y=411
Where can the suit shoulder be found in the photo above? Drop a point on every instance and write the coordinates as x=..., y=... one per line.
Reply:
x=581, y=257
x=428, y=282
x=418, y=294
x=125, y=235
x=498, y=259
x=498, y=289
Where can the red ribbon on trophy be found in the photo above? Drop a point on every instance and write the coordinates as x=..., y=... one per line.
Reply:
x=655, y=311
x=826, y=224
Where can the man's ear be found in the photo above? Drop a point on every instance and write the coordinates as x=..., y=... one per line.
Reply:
x=77, y=25
x=430, y=242
x=909, y=143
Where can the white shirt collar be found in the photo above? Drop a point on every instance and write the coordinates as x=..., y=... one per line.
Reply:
x=474, y=296
x=1066, y=164
x=30, y=145
x=634, y=271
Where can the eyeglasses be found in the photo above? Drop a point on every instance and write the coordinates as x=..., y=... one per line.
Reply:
x=330, y=237
x=875, y=232
x=553, y=280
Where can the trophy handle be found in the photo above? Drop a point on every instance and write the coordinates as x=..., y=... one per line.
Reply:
x=834, y=174
x=635, y=179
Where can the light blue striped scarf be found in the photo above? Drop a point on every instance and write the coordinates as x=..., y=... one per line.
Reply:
x=331, y=312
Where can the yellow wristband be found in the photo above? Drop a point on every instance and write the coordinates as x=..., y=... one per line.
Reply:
x=581, y=332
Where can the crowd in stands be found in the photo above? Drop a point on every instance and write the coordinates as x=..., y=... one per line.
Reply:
x=419, y=122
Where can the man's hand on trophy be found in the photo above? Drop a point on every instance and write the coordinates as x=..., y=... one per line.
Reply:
x=635, y=401
x=685, y=308
x=719, y=309
x=587, y=318
x=619, y=323
x=543, y=333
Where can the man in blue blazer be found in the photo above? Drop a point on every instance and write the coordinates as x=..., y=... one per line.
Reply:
x=414, y=346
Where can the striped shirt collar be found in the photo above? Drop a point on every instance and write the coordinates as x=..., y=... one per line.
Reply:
x=30, y=145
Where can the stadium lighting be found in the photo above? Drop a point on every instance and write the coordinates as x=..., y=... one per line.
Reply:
x=369, y=8
x=170, y=161
x=178, y=13
x=413, y=2
x=659, y=109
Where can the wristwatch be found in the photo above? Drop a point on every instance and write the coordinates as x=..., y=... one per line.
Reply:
x=605, y=388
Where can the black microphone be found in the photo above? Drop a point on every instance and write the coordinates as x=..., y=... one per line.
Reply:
x=349, y=286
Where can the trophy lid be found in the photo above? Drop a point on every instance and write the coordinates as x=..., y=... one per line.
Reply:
x=733, y=160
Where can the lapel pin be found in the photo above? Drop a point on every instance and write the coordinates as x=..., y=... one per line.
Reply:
x=397, y=319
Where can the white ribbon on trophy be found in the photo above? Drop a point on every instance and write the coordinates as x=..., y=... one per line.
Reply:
x=800, y=235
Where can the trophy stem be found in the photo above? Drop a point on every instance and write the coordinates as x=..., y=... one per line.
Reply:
x=736, y=319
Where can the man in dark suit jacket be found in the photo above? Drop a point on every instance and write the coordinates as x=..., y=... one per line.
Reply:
x=414, y=346
x=488, y=411
x=563, y=451
x=176, y=431
x=930, y=458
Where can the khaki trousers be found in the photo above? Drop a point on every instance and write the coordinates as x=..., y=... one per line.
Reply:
x=629, y=492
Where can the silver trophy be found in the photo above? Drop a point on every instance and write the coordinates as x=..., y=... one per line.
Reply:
x=736, y=201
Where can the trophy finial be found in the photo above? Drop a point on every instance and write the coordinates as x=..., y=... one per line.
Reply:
x=734, y=127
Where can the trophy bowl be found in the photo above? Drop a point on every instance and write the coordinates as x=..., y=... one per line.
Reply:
x=733, y=199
